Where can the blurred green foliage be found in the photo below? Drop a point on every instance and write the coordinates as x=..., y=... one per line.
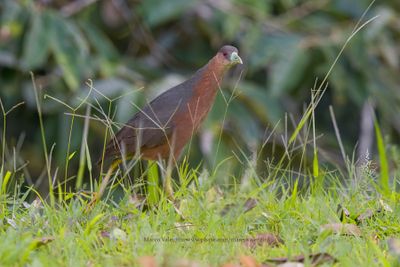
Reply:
x=138, y=48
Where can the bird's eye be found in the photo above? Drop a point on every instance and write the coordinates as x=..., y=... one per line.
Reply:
x=225, y=54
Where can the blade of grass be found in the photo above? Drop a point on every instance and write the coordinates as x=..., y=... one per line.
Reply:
x=315, y=159
x=3, y=139
x=152, y=183
x=337, y=133
x=39, y=109
x=92, y=223
x=5, y=182
x=83, y=152
x=323, y=86
x=384, y=166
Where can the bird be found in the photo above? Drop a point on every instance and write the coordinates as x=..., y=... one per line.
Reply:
x=161, y=129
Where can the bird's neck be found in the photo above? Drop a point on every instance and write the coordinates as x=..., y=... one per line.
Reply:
x=210, y=77
x=206, y=83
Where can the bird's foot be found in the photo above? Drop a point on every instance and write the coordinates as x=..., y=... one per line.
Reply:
x=95, y=199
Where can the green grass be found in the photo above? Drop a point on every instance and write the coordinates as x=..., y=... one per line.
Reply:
x=209, y=219
x=118, y=233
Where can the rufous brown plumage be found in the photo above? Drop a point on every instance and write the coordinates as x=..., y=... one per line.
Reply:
x=163, y=127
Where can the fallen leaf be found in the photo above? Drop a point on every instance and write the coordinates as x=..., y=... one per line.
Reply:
x=320, y=258
x=394, y=246
x=291, y=264
x=214, y=194
x=343, y=212
x=342, y=228
x=248, y=261
x=105, y=234
x=183, y=226
x=118, y=234
x=250, y=204
x=137, y=201
x=368, y=214
x=375, y=238
x=315, y=259
x=147, y=261
x=11, y=222
x=37, y=203
x=186, y=263
x=26, y=205
x=264, y=239
x=385, y=206
x=230, y=265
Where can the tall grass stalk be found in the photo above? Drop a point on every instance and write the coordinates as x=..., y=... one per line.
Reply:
x=384, y=166
x=227, y=104
x=43, y=136
x=3, y=140
x=153, y=195
x=315, y=154
x=320, y=91
x=84, y=153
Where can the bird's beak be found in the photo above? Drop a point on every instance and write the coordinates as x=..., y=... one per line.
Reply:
x=235, y=59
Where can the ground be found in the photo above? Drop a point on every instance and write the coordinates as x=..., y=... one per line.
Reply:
x=209, y=225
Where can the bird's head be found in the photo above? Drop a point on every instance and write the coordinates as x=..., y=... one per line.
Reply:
x=229, y=56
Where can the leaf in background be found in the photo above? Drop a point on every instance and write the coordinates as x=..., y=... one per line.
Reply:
x=36, y=44
x=231, y=24
x=156, y=12
x=259, y=42
x=357, y=52
x=338, y=77
x=13, y=17
x=259, y=10
x=103, y=46
x=70, y=50
x=289, y=67
x=110, y=88
x=160, y=86
x=244, y=123
x=260, y=101
x=125, y=109
x=377, y=27
x=384, y=166
x=349, y=8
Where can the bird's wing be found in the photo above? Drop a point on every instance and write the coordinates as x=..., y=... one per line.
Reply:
x=152, y=125
x=156, y=120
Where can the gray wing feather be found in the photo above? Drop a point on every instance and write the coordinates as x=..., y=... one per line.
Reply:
x=160, y=112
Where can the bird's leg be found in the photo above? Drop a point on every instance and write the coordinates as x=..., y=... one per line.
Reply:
x=97, y=195
x=168, y=178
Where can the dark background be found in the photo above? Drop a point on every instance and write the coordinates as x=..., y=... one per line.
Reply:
x=136, y=49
